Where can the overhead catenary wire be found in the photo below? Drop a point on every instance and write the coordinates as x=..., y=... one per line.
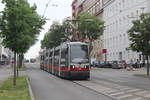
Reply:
x=46, y=7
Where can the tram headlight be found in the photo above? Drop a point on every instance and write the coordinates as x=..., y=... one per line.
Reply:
x=72, y=66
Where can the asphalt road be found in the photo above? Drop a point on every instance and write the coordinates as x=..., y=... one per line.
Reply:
x=48, y=87
x=122, y=77
x=104, y=84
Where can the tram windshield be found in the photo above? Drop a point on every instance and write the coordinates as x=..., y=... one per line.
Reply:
x=79, y=54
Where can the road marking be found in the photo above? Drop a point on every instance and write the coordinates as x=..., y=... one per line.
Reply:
x=118, y=93
x=138, y=98
x=141, y=93
x=147, y=95
x=125, y=88
x=122, y=93
x=133, y=90
x=111, y=91
x=124, y=96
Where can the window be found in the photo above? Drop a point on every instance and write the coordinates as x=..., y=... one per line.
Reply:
x=79, y=53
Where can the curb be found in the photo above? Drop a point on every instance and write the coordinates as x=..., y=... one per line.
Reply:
x=30, y=90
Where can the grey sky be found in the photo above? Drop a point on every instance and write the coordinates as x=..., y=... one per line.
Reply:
x=53, y=13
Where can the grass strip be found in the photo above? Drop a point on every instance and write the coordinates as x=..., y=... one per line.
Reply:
x=18, y=92
x=142, y=75
x=23, y=68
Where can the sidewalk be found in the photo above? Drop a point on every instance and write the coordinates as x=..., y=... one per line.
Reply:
x=5, y=72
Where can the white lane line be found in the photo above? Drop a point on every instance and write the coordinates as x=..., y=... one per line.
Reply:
x=112, y=91
x=133, y=90
x=141, y=93
x=118, y=93
x=126, y=88
x=124, y=96
x=147, y=95
x=138, y=98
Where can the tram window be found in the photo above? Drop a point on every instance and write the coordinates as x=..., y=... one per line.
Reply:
x=64, y=57
x=56, y=58
x=79, y=54
x=41, y=58
x=50, y=55
x=47, y=54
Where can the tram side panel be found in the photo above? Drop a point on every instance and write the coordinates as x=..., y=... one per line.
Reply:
x=47, y=60
x=41, y=62
x=50, y=62
x=64, y=70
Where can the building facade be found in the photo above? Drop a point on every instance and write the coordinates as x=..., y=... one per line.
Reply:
x=118, y=17
x=77, y=7
x=5, y=54
x=94, y=7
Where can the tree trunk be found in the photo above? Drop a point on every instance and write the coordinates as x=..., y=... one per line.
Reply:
x=90, y=50
x=143, y=64
x=90, y=47
x=147, y=65
x=14, y=78
x=21, y=60
x=17, y=66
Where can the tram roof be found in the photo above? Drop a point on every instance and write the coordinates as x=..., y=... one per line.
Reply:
x=64, y=44
x=71, y=43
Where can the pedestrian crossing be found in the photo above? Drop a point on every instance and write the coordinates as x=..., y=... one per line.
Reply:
x=119, y=92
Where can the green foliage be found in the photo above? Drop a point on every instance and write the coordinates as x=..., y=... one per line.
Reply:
x=53, y=37
x=19, y=92
x=90, y=30
x=140, y=34
x=20, y=25
x=67, y=29
x=90, y=26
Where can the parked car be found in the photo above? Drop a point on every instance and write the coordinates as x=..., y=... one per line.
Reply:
x=32, y=60
x=98, y=64
x=107, y=64
x=101, y=64
x=118, y=64
x=26, y=61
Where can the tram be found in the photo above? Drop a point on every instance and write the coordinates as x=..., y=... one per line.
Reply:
x=70, y=60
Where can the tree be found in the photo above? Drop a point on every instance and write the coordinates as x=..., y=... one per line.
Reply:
x=89, y=27
x=139, y=34
x=65, y=29
x=56, y=35
x=20, y=26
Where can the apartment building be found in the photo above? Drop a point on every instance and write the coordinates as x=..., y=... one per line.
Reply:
x=95, y=8
x=77, y=7
x=5, y=54
x=118, y=16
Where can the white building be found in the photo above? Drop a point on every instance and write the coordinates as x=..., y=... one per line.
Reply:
x=118, y=16
x=5, y=54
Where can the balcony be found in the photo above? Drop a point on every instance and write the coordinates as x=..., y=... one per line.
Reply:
x=80, y=8
x=98, y=12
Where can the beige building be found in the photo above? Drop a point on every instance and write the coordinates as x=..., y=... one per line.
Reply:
x=95, y=7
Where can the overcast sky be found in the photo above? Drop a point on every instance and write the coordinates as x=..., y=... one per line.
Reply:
x=53, y=12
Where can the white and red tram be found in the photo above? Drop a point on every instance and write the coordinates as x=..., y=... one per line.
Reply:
x=69, y=60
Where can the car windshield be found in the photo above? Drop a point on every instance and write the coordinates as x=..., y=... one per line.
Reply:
x=79, y=54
